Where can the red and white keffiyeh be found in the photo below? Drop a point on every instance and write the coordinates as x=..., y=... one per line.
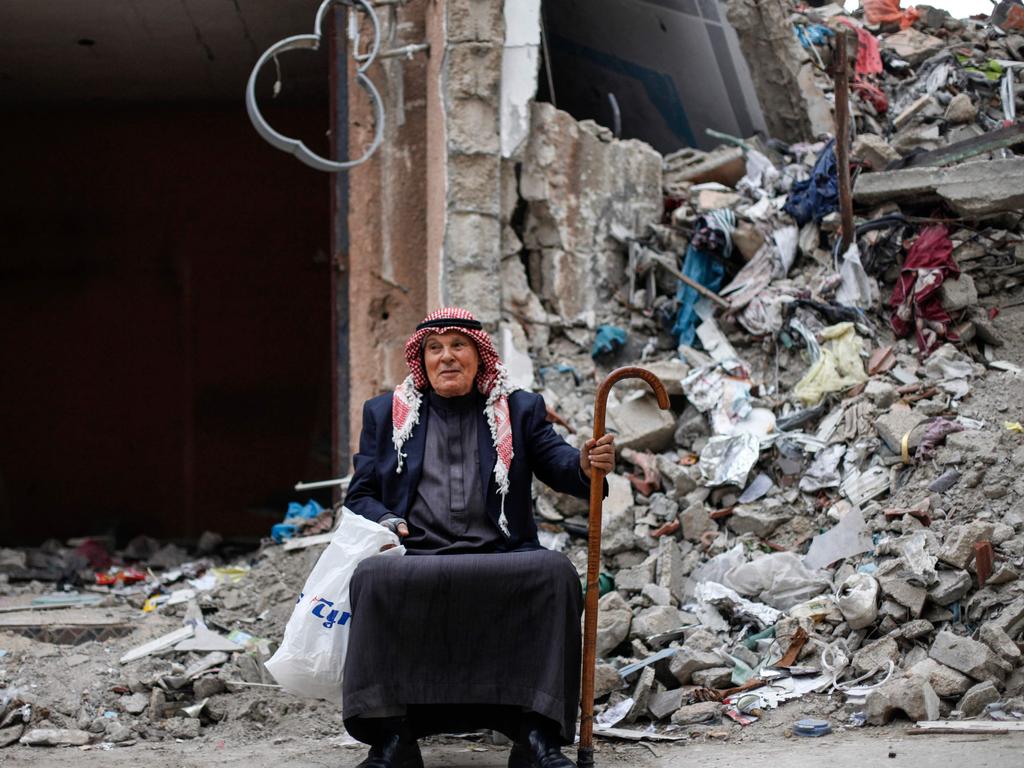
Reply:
x=491, y=379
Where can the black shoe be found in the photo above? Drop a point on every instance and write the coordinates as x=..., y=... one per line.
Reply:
x=395, y=752
x=539, y=751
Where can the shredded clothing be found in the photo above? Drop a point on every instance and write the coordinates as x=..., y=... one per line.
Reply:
x=500, y=629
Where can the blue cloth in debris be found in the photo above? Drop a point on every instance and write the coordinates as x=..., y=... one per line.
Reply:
x=608, y=339
x=709, y=272
x=818, y=196
x=813, y=34
x=286, y=530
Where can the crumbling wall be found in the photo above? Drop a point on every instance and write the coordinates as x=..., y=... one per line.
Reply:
x=795, y=108
x=584, y=194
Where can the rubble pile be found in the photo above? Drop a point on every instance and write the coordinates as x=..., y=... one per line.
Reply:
x=833, y=503
x=149, y=644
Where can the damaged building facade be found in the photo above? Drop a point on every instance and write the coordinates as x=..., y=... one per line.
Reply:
x=825, y=530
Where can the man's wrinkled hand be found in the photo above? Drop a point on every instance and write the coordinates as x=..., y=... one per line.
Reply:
x=397, y=526
x=598, y=454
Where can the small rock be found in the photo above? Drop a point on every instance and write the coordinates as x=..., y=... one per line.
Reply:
x=972, y=658
x=118, y=733
x=613, y=621
x=748, y=518
x=950, y=587
x=898, y=421
x=606, y=680
x=958, y=548
x=664, y=703
x=977, y=698
x=182, y=727
x=945, y=681
x=657, y=594
x=208, y=686
x=636, y=578
x=655, y=620
x=702, y=712
x=961, y=109
x=716, y=677
x=995, y=638
x=134, y=704
x=157, y=704
x=695, y=521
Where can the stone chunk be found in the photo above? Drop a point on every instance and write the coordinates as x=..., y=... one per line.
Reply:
x=664, y=703
x=945, y=681
x=55, y=737
x=657, y=594
x=756, y=520
x=911, y=696
x=912, y=45
x=617, y=520
x=906, y=594
x=874, y=151
x=958, y=294
x=640, y=424
x=958, y=548
x=675, y=476
x=961, y=109
x=972, y=658
x=657, y=619
x=716, y=677
x=702, y=712
x=690, y=660
x=182, y=727
x=995, y=638
x=134, y=704
x=636, y=578
x=977, y=698
x=613, y=621
x=606, y=680
x=876, y=655
x=695, y=521
x=898, y=421
x=950, y=587
x=1011, y=620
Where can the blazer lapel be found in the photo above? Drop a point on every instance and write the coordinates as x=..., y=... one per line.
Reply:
x=488, y=458
x=414, y=449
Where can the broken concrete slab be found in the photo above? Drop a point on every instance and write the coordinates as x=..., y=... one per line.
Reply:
x=749, y=518
x=959, y=293
x=656, y=620
x=912, y=46
x=873, y=151
x=995, y=638
x=640, y=424
x=972, y=189
x=945, y=681
x=898, y=421
x=690, y=660
x=976, y=699
x=1011, y=620
x=958, y=548
x=702, y=712
x=876, y=655
x=950, y=587
x=55, y=737
x=912, y=696
x=974, y=659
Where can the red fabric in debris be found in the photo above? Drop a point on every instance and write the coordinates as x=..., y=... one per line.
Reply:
x=915, y=301
x=888, y=11
x=869, y=54
x=871, y=94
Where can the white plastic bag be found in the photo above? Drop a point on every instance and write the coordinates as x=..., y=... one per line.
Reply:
x=311, y=658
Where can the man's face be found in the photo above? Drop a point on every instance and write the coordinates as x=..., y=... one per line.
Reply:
x=452, y=361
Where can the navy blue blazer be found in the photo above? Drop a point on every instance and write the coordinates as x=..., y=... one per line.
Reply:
x=377, y=490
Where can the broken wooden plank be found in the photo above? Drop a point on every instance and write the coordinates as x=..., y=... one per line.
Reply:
x=975, y=726
x=629, y=735
x=161, y=643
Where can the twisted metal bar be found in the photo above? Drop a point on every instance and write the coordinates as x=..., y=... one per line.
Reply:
x=585, y=753
x=312, y=42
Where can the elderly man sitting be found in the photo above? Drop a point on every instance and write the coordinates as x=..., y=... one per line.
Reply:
x=485, y=631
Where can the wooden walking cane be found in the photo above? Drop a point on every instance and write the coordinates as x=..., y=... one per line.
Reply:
x=585, y=754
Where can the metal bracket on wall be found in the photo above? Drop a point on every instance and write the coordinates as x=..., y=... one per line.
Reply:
x=312, y=42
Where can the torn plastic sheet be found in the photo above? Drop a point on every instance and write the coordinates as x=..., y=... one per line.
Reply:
x=919, y=562
x=947, y=362
x=824, y=470
x=779, y=580
x=839, y=367
x=728, y=460
x=715, y=568
x=855, y=290
x=851, y=536
x=730, y=601
x=614, y=714
x=786, y=239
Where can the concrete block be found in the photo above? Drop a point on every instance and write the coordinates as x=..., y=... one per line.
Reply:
x=958, y=294
x=474, y=186
x=950, y=587
x=641, y=694
x=981, y=188
x=974, y=659
x=664, y=703
x=961, y=109
x=749, y=518
x=977, y=698
x=705, y=712
x=473, y=127
x=690, y=660
x=671, y=572
x=874, y=151
x=995, y=638
x=945, y=681
x=910, y=696
x=913, y=46
x=606, y=680
x=657, y=594
x=716, y=677
x=657, y=619
x=898, y=421
x=695, y=521
x=906, y=594
x=958, y=548
x=617, y=518
x=636, y=578
x=640, y=424
x=475, y=21
x=474, y=70
x=876, y=655
x=613, y=621
x=676, y=477
x=1011, y=620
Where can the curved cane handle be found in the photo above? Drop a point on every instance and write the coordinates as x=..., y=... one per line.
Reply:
x=585, y=755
